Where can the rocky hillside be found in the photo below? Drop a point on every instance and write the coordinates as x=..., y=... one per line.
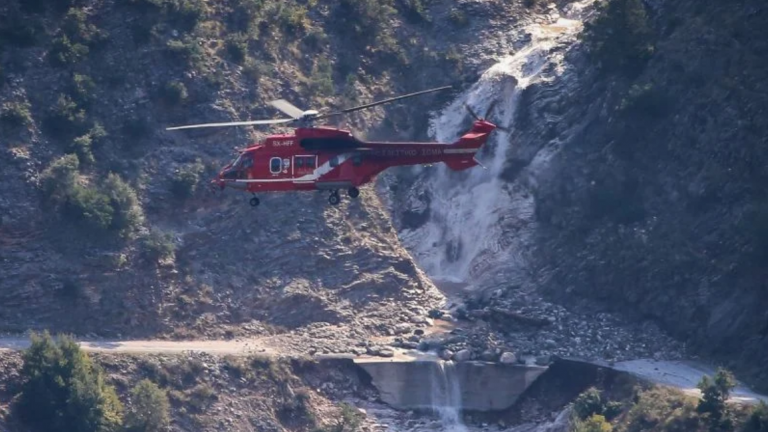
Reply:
x=208, y=393
x=633, y=182
x=106, y=224
x=656, y=208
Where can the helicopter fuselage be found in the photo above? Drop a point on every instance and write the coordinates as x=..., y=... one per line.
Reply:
x=324, y=158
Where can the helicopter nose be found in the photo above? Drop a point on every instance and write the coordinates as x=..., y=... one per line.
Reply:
x=217, y=182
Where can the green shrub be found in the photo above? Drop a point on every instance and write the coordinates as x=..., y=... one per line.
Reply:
x=662, y=408
x=415, y=11
x=321, y=82
x=149, y=410
x=758, y=419
x=66, y=119
x=237, y=47
x=458, y=18
x=595, y=423
x=185, y=14
x=316, y=39
x=201, y=396
x=77, y=28
x=188, y=50
x=82, y=88
x=82, y=147
x=158, y=245
x=97, y=133
x=90, y=206
x=349, y=420
x=112, y=206
x=65, y=52
x=256, y=69
x=128, y=214
x=350, y=91
x=60, y=178
x=245, y=16
x=620, y=38
x=587, y=403
x=366, y=18
x=293, y=18
x=175, y=93
x=63, y=390
x=186, y=179
x=16, y=114
x=715, y=393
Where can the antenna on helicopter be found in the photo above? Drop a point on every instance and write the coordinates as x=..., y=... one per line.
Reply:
x=305, y=118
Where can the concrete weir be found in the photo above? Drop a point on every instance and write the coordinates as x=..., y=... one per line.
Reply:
x=409, y=384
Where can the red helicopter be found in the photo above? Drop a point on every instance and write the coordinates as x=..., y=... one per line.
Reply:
x=329, y=159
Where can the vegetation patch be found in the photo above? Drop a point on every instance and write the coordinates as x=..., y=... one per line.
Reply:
x=113, y=206
x=16, y=114
x=664, y=409
x=620, y=39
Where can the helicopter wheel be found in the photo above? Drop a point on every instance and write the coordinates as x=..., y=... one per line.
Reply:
x=334, y=198
x=353, y=192
x=254, y=202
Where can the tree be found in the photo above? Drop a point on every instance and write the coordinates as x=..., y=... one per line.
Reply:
x=758, y=420
x=149, y=410
x=128, y=215
x=715, y=393
x=620, y=38
x=60, y=178
x=64, y=390
x=595, y=423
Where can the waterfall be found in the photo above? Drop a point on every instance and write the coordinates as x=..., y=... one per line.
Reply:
x=479, y=223
x=446, y=396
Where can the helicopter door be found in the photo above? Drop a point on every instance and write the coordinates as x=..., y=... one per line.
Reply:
x=304, y=165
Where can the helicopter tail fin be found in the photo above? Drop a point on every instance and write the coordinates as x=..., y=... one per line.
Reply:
x=462, y=153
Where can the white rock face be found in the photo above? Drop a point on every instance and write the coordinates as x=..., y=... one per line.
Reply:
x=508, y=358
x=478, y=222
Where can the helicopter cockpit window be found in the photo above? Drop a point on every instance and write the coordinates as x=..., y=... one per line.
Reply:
x=247, y=161
x=275, y=165
x=299, y=162
x=238, y=160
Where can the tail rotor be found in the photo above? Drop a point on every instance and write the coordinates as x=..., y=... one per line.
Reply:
x=487, y=113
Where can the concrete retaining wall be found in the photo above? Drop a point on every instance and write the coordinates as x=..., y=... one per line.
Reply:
x=484, y=386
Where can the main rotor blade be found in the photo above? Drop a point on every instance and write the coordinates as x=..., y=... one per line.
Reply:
x=471, y=111
x=373, y=104
x=287, y=107
x=243, y=123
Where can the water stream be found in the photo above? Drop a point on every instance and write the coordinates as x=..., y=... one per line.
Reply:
x=446, y=396
x=478, y=223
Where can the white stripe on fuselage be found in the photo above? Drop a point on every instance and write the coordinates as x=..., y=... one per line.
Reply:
x=308, y=178
x=326, y=168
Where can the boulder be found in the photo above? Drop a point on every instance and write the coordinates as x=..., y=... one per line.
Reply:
x=462, y=355
x=508, y=358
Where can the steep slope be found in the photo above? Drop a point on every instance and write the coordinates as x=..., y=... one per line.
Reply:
x=658, y=207
x=632, y=182
x=106, y=224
